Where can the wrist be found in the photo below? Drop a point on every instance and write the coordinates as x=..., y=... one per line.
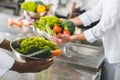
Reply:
x=5, y=45
x=77, y=37
x=18, y=67
x=74, y=38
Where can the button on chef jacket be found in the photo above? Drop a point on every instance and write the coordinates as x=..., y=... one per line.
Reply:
x=108, y=11
x=6, y=62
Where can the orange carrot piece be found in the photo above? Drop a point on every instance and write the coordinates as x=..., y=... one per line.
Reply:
x=56, y=52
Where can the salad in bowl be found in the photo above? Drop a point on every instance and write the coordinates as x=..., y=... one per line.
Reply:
x=35, y=9
x=32, y=48
x=53, y=26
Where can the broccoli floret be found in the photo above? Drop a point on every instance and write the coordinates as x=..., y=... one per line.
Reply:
x=69, y=25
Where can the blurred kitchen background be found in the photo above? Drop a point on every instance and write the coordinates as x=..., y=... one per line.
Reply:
x=12, y=7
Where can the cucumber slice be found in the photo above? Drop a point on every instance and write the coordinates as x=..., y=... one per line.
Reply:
x=44, y=53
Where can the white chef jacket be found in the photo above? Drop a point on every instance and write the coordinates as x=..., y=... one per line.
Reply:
x=6, y=62
x=108, y=11
x=53, y=2
x=85, y=4
x=88, y=4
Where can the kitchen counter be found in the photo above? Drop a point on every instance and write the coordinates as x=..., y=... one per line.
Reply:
x=85, y=56
x=80, y=62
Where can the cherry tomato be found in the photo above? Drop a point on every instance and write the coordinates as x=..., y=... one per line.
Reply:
x=57, y=29
x=66, y=32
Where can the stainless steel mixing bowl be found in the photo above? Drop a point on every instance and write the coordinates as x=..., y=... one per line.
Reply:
x=19, y=56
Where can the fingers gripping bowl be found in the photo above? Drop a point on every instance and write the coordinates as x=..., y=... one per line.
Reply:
x=33, y=48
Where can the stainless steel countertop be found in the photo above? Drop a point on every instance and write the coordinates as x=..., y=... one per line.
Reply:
x=85, y=56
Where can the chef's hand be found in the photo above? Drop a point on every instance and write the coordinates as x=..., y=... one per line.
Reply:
x=32, y=66
x=61, y=39
x=64, y=38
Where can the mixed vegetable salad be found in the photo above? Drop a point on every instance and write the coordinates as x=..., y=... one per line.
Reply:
x=35, y=6
x=54, y=26
x=37, y=47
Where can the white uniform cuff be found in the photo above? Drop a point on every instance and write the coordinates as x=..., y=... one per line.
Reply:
x=89, y=35
x=85, y=19
x=1, y=39
x=6, y=62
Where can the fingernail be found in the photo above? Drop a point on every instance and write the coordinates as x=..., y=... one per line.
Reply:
x=50, y=59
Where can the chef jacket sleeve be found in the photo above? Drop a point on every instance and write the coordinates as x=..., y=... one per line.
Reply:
x=1, y=39
x=6, y=62
x=110, y=20
x=92, y=15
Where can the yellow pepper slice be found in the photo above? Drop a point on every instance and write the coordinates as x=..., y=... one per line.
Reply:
x=41, y=8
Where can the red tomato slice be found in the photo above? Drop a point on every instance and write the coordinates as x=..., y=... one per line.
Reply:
x=66, y=32
x=57, y=29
